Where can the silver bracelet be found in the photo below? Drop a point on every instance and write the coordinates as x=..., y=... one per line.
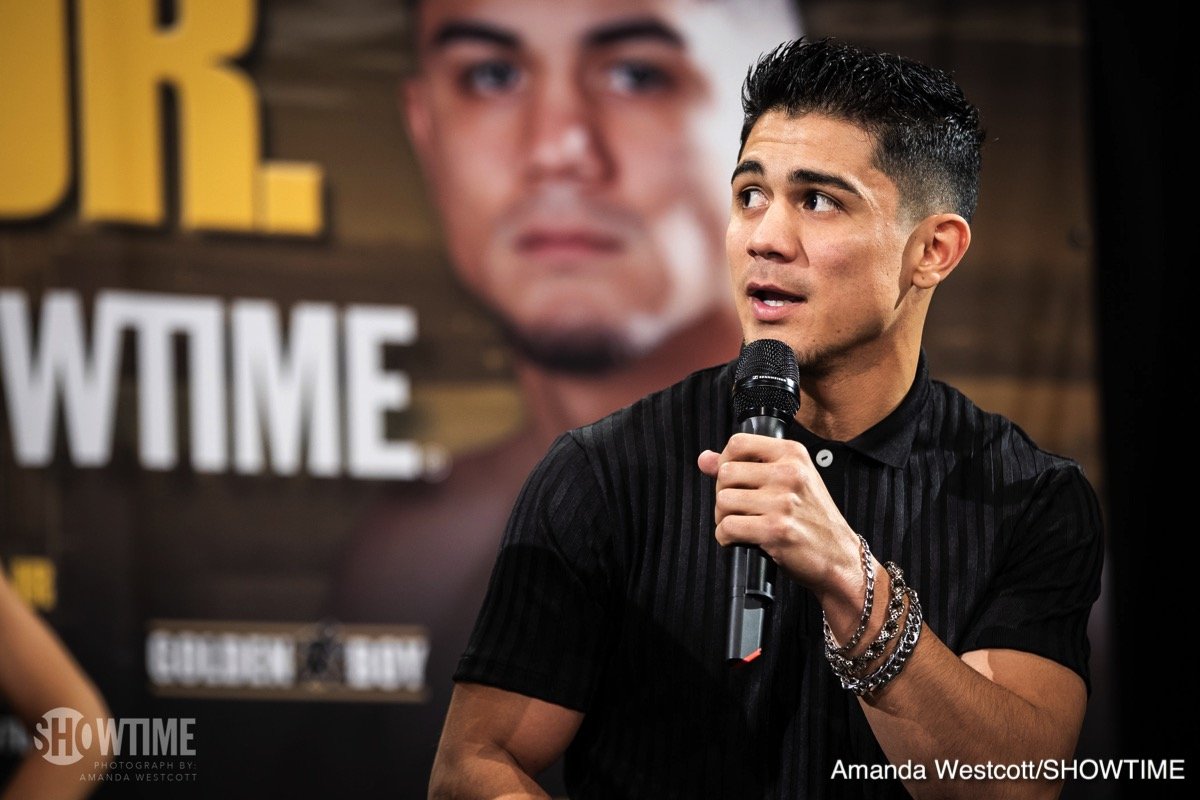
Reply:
x=868, y=601
x=891, y=626
x=872, y=683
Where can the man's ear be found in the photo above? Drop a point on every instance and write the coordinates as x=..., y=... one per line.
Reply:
x=414, y=97
x=936, y=246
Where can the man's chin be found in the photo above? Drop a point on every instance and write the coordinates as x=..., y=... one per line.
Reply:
x=572, y=352
x=818, y=360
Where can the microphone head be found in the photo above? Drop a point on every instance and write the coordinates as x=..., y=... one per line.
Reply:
x=766, y=380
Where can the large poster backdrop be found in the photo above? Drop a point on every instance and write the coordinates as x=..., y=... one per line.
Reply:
x=268, y=394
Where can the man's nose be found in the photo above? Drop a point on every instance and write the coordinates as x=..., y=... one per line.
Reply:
x=565, y=140
x=775, y=236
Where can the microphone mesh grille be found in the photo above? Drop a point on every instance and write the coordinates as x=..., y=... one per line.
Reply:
x=765, y=358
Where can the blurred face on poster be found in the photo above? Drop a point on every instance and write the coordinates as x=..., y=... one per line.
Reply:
x=579, y=154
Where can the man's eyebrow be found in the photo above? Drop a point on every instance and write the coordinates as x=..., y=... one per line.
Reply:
x=633, y=29
x=748, y=166
x=468, y=31
x=752, y=167
x=822, y=179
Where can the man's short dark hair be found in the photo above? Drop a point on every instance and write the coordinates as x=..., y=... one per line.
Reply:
x=927, y=136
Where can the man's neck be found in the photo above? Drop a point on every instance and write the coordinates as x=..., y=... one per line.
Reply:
x=556, y=402
x=854, y=396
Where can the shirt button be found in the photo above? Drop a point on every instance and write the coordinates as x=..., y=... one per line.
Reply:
x=824, y=458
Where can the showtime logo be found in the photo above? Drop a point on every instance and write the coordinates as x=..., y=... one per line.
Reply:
x=62, y=735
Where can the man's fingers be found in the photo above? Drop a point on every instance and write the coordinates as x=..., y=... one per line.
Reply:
x=747, y=502
x=708, y=461
x=752, y=447
x=738, y=530
x=786, y=475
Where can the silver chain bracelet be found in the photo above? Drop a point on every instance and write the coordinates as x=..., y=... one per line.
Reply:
x=891, y=626
x=868, y=601
x=872, y=683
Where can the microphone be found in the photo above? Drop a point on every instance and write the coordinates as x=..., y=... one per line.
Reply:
x=766, y=395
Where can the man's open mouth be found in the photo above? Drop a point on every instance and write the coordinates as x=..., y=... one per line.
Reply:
x=775, y=298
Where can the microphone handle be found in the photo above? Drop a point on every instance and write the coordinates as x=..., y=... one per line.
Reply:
x=751, y=572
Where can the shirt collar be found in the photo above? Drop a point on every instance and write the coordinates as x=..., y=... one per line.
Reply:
x=891, y=439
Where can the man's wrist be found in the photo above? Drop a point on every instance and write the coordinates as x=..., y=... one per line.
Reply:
x=866, y=657
x=866, y=665
x=843, y=600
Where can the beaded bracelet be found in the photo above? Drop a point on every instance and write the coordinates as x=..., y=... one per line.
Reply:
x=868, y=600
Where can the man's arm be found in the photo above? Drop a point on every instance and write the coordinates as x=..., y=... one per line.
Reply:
x=495, y=742
x=37, y=674
x=544, y=631
x=1003, y=706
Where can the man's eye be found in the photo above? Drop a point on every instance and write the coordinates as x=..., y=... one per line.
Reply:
x=637, y=77
x=491, y=77
x=820, y=203
x=752, y=198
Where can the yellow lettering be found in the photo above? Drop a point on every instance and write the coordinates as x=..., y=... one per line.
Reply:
x=35, y=136
x=34, y=579
x=124, y=60
x=290, y=198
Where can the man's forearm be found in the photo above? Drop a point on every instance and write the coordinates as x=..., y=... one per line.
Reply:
x=941, y=709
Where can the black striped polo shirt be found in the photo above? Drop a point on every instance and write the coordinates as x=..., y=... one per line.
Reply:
x=607, y=594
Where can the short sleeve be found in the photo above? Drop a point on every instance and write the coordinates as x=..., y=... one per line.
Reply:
x=1040, y=598
x=544, y=625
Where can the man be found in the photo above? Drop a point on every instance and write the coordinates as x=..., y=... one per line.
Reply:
x=577, y=155
x=602, y=635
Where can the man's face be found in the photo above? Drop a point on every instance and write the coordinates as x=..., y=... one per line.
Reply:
x=816, y=240
x=577, y=151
